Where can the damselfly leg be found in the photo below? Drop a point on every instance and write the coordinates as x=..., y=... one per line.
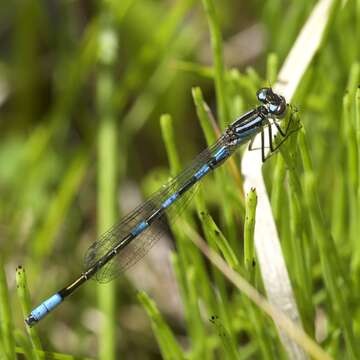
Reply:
x=285, y=134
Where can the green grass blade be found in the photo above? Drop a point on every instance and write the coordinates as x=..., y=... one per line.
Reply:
x=169, y=347
x=25, y=302
x=204, y=114
x=23, y=341
x=107, y=174
x=249, y=225
x=6, y=316
x=217, y=48
x=218, y=239
x=48, y=355
x=168, y=136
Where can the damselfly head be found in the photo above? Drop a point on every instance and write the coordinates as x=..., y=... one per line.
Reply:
x=275, y=104
x=277, y=109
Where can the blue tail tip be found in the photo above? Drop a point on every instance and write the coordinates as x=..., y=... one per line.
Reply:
x=30, y=320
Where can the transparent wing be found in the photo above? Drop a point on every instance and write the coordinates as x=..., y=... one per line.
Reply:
x=140, y=245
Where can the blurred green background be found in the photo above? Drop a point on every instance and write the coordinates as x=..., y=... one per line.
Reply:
x=82, y=87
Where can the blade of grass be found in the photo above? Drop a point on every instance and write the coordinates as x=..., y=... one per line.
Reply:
x=249, y=225
x=198, y=349
x=169, y=141
x=25, y=345
x=47, y=355
x=279, y=317
x=25, y=302
x=217, y=49
x=272, y=66
x=6, y=322
x=204, y=115
x=356, y=260
x=107, y=173
x=229, y=346
x=277, y=193
x=219, y=239
x=169, y=347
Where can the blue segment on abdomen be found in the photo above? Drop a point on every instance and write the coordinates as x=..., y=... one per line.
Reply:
x=202, y=171
x=139, y=228
x=246, y=135
x=48, y=305
x=221, y=154
x=247, y=130
x=169, y=200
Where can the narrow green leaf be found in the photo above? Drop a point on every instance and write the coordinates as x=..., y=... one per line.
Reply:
x=217, y=48
x=167, y=131
x=25, y=302
x=6, y=322
x=204, y=114
x=107, y=171
x=169, y=347
x=249, y=226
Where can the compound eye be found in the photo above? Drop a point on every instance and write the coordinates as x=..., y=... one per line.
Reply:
x=277, y=109
x=273, y=108
x=262, y=95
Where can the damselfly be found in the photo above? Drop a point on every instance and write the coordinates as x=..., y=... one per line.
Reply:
x=129, y=240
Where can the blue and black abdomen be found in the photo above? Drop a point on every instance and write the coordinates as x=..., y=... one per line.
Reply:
x=128, y=241
x=248, y=129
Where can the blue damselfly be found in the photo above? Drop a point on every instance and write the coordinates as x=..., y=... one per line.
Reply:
x=130, y=239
